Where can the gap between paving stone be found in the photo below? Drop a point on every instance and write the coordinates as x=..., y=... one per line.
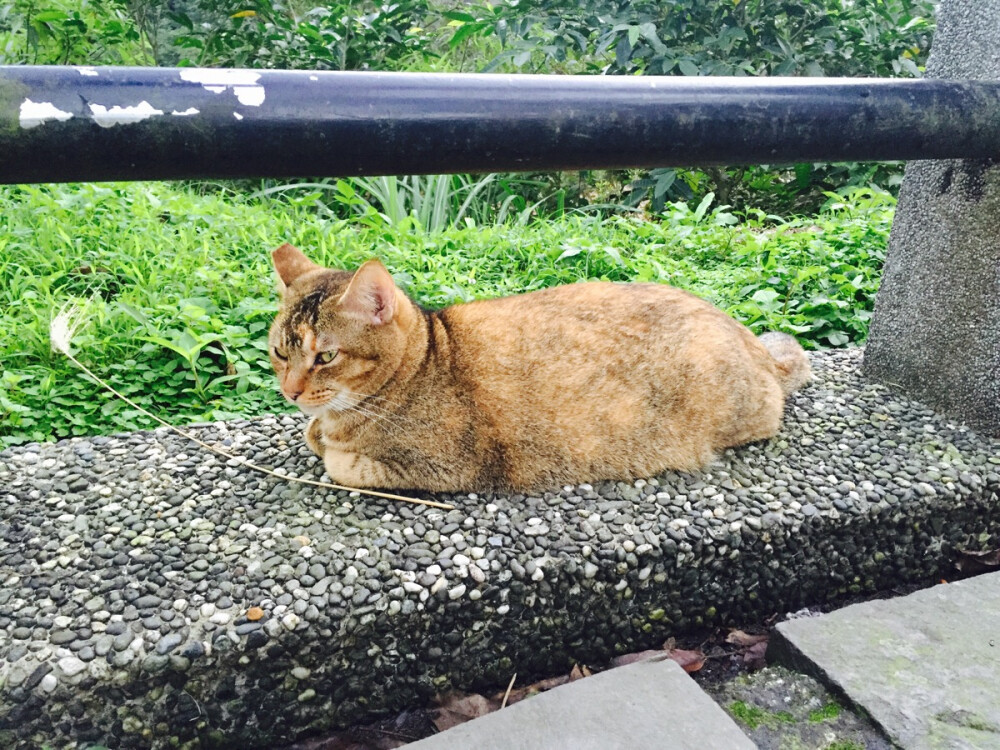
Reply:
x=780, y=709
x=923, y=666
x=130, y=563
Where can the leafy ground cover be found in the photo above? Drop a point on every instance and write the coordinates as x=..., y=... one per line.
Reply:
x=178, y=277
x=181, y=292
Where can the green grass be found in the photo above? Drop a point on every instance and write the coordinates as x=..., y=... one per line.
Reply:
x=183, y=290
x=755, y=716
x=827, y=712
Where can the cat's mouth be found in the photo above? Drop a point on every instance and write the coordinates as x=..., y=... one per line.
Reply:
x=338, y=402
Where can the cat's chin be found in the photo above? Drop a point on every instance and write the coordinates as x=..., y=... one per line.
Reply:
x=313, y=411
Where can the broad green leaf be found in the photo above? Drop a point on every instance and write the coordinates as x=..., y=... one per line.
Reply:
x=699, y=213
x=687, y=67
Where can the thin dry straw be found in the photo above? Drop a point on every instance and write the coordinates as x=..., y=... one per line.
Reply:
x=506, y=695
x=61, y=333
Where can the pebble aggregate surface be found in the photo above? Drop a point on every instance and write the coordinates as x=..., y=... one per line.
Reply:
x=153, y=594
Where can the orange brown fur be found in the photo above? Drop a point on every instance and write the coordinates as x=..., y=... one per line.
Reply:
x=576, y=383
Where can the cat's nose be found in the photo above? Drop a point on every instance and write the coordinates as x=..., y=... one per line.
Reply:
x=294, y=395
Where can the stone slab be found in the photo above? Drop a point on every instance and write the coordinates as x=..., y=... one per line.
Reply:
x=651, y=704
x=925, y=667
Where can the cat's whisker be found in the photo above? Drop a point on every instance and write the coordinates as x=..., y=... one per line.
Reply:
x=382, y=408
x=400, y=420
x=346, y=400
x=368, y=396
x=377, y=417
x=350, y=401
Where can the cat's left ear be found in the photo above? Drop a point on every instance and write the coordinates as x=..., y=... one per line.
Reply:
x=290, y=263
x=371, y=295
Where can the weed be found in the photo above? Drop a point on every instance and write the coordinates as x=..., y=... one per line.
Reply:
x=755, y=716
x=827, y=712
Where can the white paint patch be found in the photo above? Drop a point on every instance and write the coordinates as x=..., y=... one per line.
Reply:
x=186, y=113
x=107, y=118
x=220, y=76
x=237, y=115
x=252, y=96
x=313, y=78
x=86, y=71
x=242, y=82
x=34, y=114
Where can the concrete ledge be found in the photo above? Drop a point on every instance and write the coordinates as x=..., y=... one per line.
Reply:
x=132, y=568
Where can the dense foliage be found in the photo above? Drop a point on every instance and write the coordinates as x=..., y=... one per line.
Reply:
x=180, y=292
x=176, y=278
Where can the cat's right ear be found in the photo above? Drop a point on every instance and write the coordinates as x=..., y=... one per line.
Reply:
x=289, y=264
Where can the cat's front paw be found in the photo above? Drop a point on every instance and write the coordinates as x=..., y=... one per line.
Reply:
x=356, y=470
x=314, y=437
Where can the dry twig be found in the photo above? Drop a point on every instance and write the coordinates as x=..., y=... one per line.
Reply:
x=510, y=686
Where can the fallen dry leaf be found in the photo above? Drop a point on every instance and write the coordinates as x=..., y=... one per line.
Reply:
x=970, y=561
x=458, y=708
x=691, y=661
x=578, y=672
x=753, y=656
x=739, y=638
x=533, y=689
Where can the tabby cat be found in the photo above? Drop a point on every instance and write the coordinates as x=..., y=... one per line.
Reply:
x=572, y=384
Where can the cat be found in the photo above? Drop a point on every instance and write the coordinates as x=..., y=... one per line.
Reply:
x=577, y=383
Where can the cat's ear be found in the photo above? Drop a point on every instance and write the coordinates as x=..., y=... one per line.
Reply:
x=290, y=263
x=371, y=295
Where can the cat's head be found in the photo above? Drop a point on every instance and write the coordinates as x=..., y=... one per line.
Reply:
x=338, y=336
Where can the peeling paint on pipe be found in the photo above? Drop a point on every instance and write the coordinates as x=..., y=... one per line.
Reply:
x=32, y=114
x=108, y=117
x=312, y=124
x=217, y=80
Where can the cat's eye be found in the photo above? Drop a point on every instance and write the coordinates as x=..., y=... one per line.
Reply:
x=325, y=358
x=280, y=353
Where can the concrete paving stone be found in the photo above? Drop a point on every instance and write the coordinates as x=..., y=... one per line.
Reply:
x=651, y=704
x=925, y=667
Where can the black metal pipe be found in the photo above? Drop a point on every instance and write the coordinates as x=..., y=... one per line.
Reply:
x=64, y=124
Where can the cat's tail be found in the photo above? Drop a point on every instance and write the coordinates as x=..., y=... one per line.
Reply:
x=793, y=365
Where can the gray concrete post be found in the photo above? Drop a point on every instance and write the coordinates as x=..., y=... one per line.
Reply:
x=936, y=329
